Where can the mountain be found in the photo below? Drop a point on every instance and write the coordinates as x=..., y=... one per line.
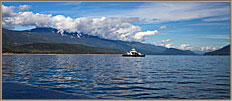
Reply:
x=58, y=48
x=173, y=51
x=199, y=52
x=51, y=35
x=223, y=51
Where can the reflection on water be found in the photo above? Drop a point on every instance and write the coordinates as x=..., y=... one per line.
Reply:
x=116, y=77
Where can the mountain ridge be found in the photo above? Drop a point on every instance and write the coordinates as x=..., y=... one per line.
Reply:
x=50, y=35
x=222, y=51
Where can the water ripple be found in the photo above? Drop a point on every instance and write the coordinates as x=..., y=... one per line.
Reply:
x=116, y=77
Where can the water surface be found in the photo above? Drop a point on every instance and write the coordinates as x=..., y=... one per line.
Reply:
x=117, y=77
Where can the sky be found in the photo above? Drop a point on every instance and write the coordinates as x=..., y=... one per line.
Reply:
x=197, y=26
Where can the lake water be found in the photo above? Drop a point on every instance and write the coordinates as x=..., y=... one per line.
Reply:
x=117, y=77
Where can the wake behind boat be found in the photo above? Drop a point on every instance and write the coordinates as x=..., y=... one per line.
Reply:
x=133, y=53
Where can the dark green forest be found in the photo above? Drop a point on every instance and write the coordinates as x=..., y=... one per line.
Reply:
x=56, y=48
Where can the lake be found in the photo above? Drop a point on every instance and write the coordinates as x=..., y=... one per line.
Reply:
x=117, y=77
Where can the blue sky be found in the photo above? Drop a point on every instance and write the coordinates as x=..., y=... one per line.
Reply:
x=186, y=25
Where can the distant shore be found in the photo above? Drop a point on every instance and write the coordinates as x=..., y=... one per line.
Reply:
x=99, y=54
x=15, y=90
x=54, y=54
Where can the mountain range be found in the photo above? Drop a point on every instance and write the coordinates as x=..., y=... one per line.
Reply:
x=47, y=36
x=223, y=51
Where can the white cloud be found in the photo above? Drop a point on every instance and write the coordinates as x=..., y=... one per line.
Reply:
x=7, y=11
x=140, y=35
x=164, y=43
x=208, y=48
x=211, y=24
x=168, y=40
x=10, y=19
x=163, y=27
x=219, y=36
x=214, y=36
x=26, y=19
x=114, y=28
x=185, y=47
x=103, y=27
x=188, y=47
x=217, y=19
x=158, y=43
x=24, y=7
x=170, y=45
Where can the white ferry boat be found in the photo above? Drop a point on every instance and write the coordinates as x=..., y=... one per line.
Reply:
x=134, y=53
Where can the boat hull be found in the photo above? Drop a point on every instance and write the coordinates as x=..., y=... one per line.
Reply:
x=143, y=55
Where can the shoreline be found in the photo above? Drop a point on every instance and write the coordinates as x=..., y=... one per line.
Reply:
x=54, y=54
x=16, y=90
x=102, y=54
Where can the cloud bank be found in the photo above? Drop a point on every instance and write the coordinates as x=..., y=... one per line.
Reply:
x=167, y=44
x=140, y=35
x=164, y=43
x=10, y=19
x=189, y=47
x=114, y=28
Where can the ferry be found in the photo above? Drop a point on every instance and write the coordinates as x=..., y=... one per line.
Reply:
x=133, y=53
